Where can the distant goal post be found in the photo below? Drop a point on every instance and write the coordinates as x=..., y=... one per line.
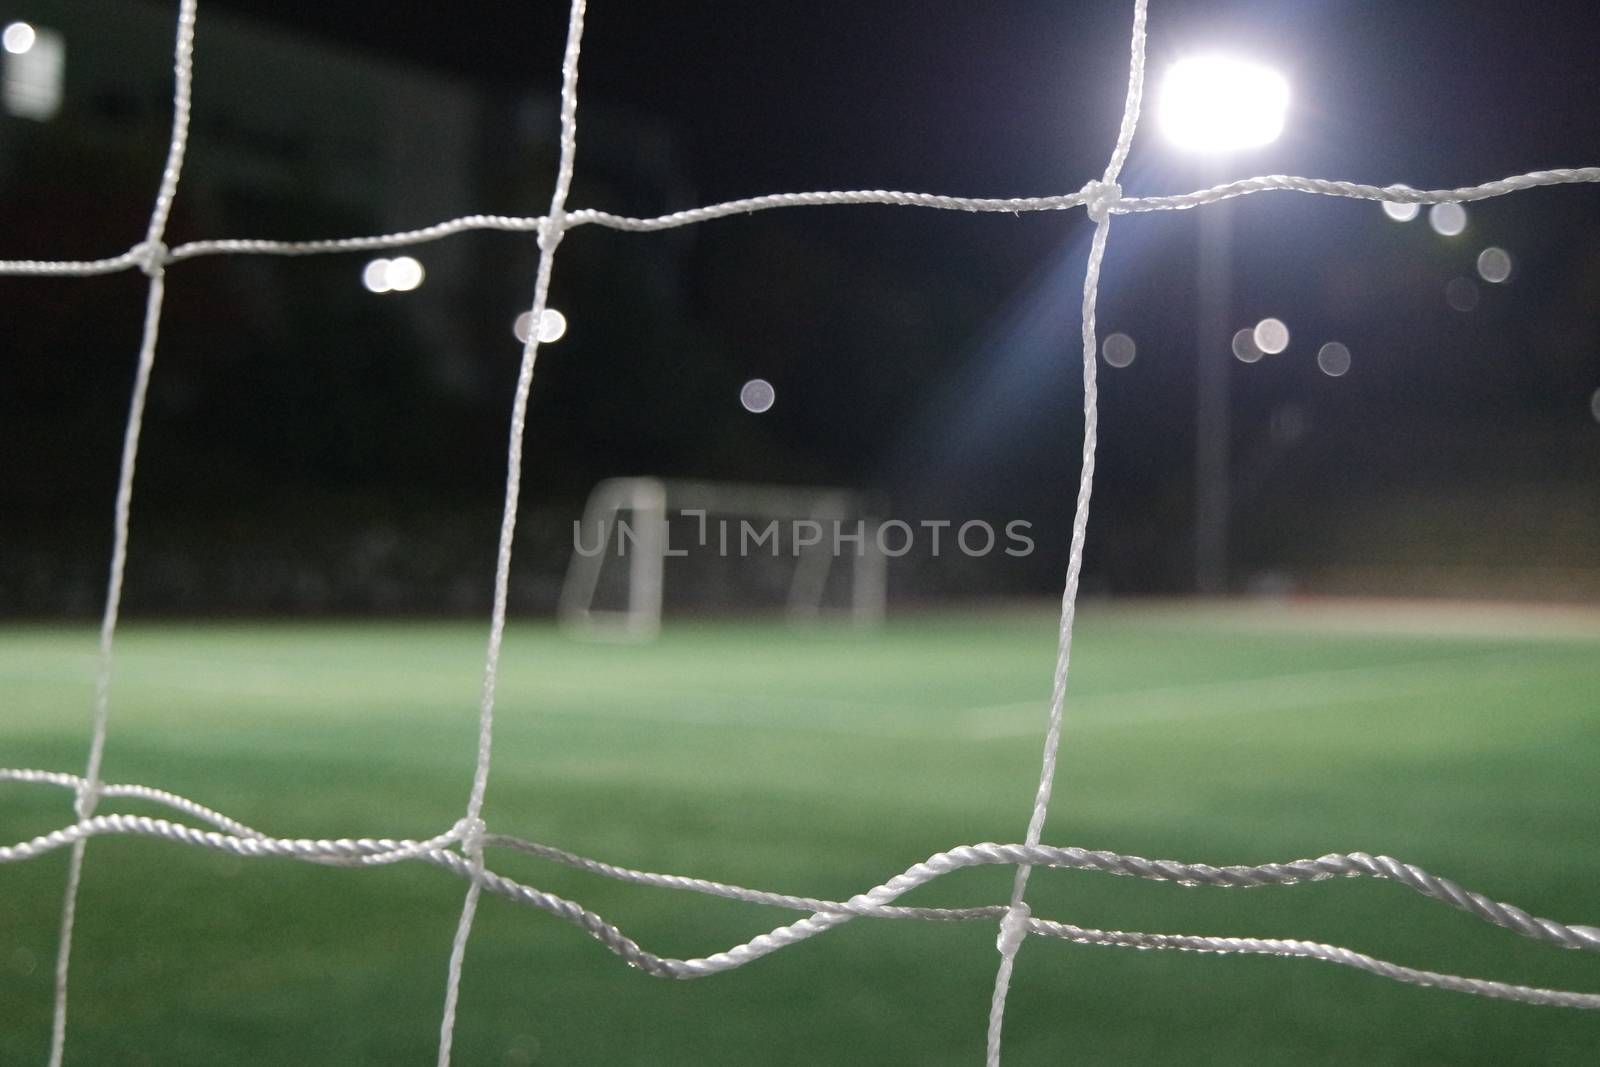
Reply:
x=818, y=549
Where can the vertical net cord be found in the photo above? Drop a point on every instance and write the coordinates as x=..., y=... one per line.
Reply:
x=153, y=257
x=1013, y=927
x=551, y=230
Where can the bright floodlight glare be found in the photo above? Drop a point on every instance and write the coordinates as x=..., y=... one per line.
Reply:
x=552, y=326
x=1244, y=346
x=757, y=395
x=1447, y=220
x=18, y=38
x=1401, y=212
x=1220, y=104
x=376, y=276
x=1334, y=359
x=1118, y=350
x=1494, y=265
x=1271, y=336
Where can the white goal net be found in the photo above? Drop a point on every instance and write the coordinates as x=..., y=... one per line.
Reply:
x=462, y=848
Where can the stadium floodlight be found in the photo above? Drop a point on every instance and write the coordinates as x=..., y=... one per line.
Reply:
x=1213, y=105
x=19, y=38
x=1218, y=104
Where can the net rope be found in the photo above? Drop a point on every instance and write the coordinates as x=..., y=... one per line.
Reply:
x=460, y=849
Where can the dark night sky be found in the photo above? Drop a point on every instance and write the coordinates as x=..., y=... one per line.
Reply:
x=1016, y=94
x=931, y=357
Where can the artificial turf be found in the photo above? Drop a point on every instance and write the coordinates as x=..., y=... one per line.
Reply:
x=817, y=762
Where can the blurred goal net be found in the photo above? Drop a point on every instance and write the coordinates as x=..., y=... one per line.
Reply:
x=460, y=847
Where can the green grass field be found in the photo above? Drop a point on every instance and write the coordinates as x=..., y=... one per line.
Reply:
x=816, y=762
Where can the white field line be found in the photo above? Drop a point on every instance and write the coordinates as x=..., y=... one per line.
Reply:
x=1268, y=693
x=226, y=678
x=255, y=678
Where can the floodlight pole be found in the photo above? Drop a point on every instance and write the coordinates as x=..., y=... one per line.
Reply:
x=1214, y=106
x=1213, y=363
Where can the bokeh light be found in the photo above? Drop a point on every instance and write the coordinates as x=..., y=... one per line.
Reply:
x=757, y=395
x=1447, y=220
x=399, y=275
x=405, y=274
x=376, y=276
x=1334, y=359
x=1118, y=350
x=1401, y=212
x=1494, y=265
x=552, y=326
x=1461, y=294
x=1594, y=405
x=1271, y=336
x=1245, y=348
x=18, y=38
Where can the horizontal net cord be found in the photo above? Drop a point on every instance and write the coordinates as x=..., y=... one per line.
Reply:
x=365, y=851
x=369, y=850
x=1394, y=194
x=782, y=937
x=136, y=792
x=339, y=852
x=138, y=256
x=547, y=852
x=735, y=892
x=400, y=238
x=81, y=268
x=750, y=205
x=1272, y=946
x=872, y=904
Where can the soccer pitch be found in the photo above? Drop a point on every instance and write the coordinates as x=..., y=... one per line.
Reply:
x=816, y=762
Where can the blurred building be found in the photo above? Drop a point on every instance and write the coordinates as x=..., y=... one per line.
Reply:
x=294, y=415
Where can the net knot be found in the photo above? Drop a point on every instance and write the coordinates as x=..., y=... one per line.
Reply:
x=551, y=229
x=1101, y=198
x=471, y=831
x=88, y=798
x=151, y=256
x=1013, y=928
